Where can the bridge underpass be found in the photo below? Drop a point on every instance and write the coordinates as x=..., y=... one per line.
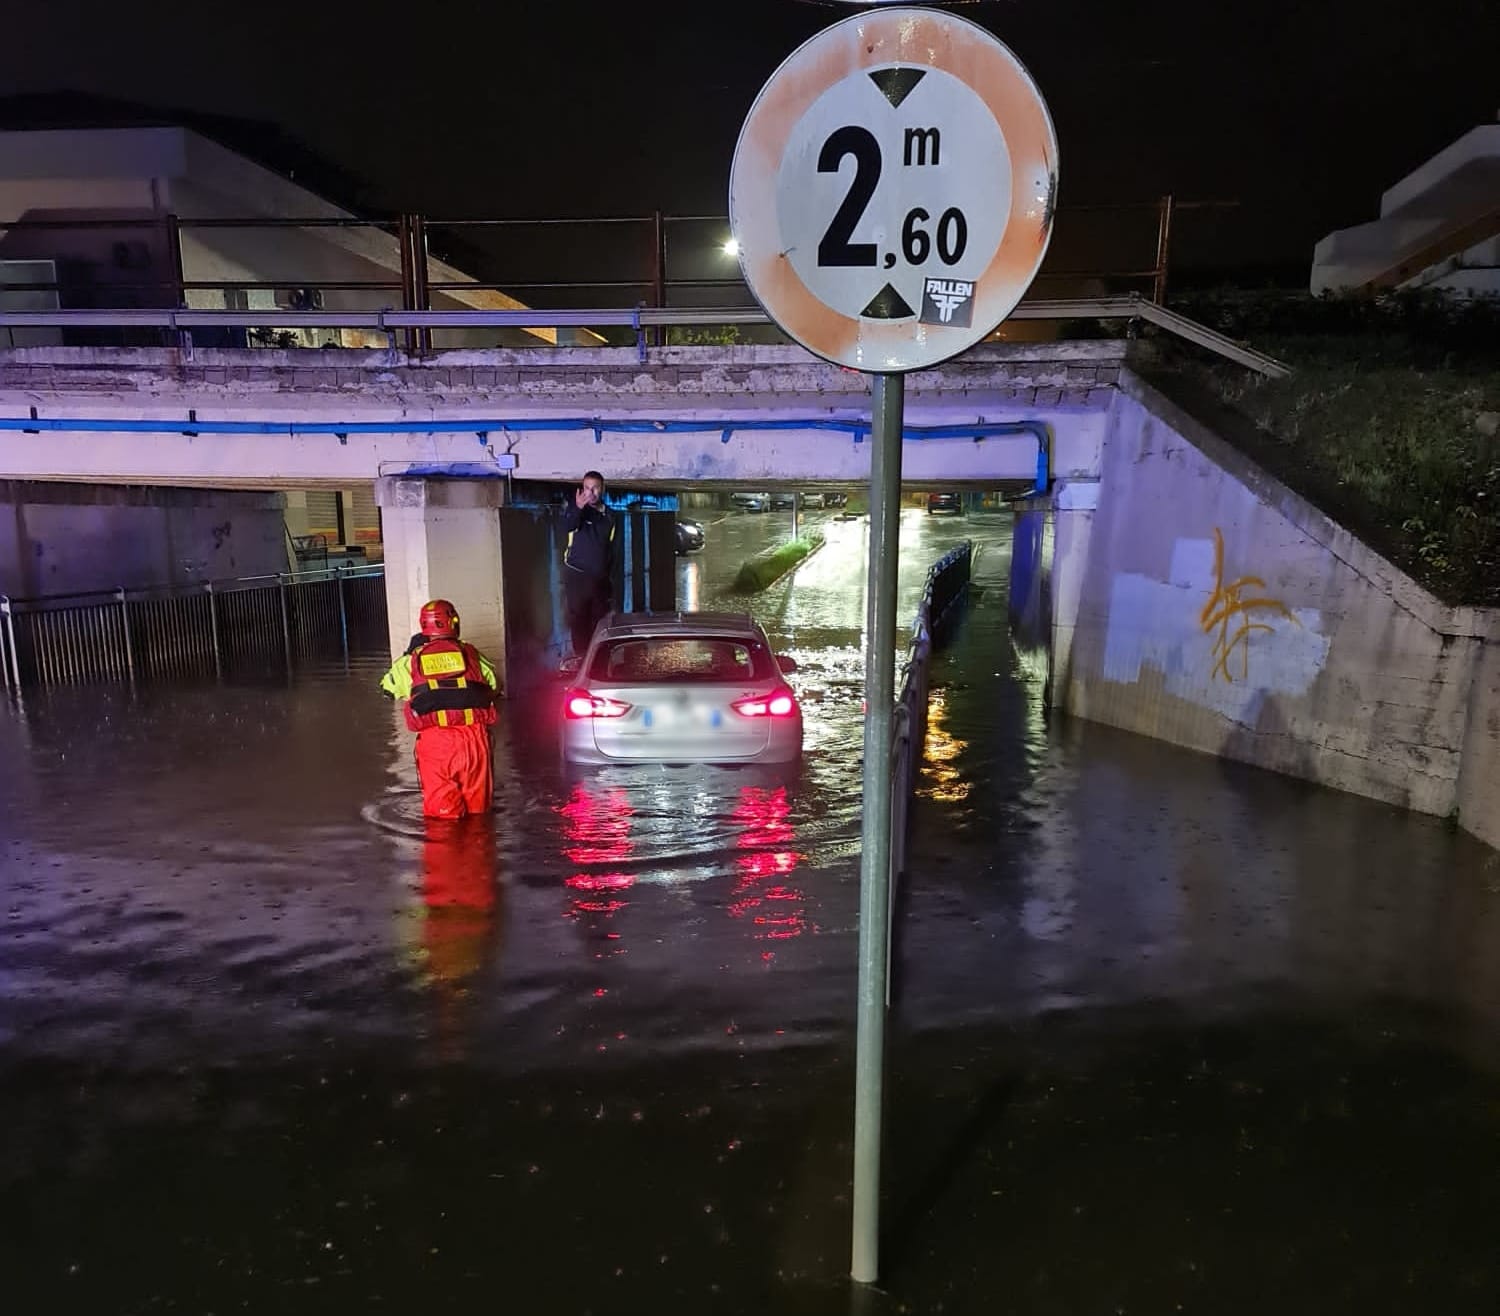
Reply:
x=443, y=436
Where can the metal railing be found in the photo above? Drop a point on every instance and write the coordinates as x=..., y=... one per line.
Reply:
x=947, y=585
x=654, y=259
x=641, y=319
x=249, y=625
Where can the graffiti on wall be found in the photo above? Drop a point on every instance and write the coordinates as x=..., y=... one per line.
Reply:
x=1229, y=616
x=1200, y=650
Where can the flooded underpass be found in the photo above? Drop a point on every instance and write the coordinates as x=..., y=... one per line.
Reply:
x=1169, y=1034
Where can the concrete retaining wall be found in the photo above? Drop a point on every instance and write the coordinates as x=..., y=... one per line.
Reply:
x=66, y=538
x=532, y=545
x=1199, y=601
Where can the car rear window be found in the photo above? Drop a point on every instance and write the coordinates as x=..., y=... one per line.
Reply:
x=639, y=660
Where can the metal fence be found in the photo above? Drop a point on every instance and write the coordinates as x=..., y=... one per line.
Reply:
x=947, y=585
x=248, y=626
x=657, y=260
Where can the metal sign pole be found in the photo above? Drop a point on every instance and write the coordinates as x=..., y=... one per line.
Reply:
x=891, y=198
x=875, y=859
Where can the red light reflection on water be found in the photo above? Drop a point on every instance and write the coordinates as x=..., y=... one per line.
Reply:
x=777, y=911
x=596, y=827
x=598, y=823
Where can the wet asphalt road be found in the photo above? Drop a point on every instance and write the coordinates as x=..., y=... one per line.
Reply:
x=1170, y=1034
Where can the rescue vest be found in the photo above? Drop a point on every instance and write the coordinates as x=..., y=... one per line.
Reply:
x=448, y=688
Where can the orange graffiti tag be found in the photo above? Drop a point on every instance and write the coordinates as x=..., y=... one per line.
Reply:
x=1227, y=604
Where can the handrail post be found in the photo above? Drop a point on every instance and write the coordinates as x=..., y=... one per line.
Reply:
x=8, y=660
x=213, y=629
x=125, y=626
x=1163, y=248
x=408, y=280
x=422, y=297
x=286, y=626
x=659, y=271
x=179, y=277
x=343, y=614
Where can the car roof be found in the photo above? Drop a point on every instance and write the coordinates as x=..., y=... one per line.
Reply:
x=619, y=624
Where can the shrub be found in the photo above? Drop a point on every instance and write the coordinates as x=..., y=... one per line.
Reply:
x=766, y=568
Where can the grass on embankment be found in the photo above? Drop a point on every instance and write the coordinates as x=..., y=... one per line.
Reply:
x=1390, y=423
x=767, y=567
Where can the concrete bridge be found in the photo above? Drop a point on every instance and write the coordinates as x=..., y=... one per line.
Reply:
x=663, y=417
x=441, y=434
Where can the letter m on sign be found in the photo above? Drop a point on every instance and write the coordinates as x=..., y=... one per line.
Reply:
x=918, y=140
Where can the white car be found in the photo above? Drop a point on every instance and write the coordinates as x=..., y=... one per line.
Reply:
x=750, y=502
x=681, y=687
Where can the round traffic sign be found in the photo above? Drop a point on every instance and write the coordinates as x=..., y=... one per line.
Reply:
x=893, y=187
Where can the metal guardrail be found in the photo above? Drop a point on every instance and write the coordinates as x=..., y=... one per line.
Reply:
x=641, y=319
x=947, y=584
x=653, y=253
x=219, y=628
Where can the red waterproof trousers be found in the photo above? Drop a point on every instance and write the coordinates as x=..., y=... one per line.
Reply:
x=454, y=767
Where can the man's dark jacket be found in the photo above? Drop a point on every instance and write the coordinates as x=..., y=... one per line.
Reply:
x=590, y=540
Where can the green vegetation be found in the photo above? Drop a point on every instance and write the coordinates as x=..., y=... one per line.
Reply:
x=766, y=568
x=1390, y=422
x=703, y=335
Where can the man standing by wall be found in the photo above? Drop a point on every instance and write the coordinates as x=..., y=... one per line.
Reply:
x=588, y=561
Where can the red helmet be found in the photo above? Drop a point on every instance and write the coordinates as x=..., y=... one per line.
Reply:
x=438, y=618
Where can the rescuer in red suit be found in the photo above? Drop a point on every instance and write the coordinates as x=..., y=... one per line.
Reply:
x=449, y=688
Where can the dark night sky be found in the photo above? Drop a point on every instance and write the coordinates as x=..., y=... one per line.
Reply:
x=1303, y=112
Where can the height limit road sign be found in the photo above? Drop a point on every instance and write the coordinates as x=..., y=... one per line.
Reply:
x=893, y=188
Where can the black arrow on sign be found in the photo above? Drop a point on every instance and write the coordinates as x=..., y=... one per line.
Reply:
x=887, y=304
x=896, y=84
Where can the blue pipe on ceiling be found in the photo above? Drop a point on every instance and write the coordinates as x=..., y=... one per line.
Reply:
x=859, y=429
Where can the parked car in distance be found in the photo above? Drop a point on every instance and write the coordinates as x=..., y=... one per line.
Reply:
x=939, y=504
x=835, y=498
x=681, y=687
x=812, y=498
x=750, y=502
x=689, y=535
x=783, y=500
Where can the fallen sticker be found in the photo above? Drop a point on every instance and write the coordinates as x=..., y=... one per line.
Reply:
x=947, y=301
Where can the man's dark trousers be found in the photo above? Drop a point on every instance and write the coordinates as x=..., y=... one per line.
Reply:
x=587, y=600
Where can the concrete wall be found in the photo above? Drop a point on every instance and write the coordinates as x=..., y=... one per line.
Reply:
x=532, y=543
x=1198, y=600
x=64, y=538
x=1478, y=800
x=1030, y=597
x=442, y=540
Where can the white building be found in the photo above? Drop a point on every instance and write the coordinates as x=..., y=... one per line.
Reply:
x=1439, y=228
x=120, y=184
x=133, y=174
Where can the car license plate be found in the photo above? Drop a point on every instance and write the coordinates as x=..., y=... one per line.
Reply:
x=667, y=716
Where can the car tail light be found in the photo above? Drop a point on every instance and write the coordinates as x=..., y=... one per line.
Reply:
x=581, y=704
x=780, y=703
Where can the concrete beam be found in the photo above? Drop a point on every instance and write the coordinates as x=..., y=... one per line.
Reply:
x=167, y=403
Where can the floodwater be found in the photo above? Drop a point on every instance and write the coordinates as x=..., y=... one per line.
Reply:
x=1169, y=1034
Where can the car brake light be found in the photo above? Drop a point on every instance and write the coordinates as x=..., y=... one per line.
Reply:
x=780, y=704
x=581, y=704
